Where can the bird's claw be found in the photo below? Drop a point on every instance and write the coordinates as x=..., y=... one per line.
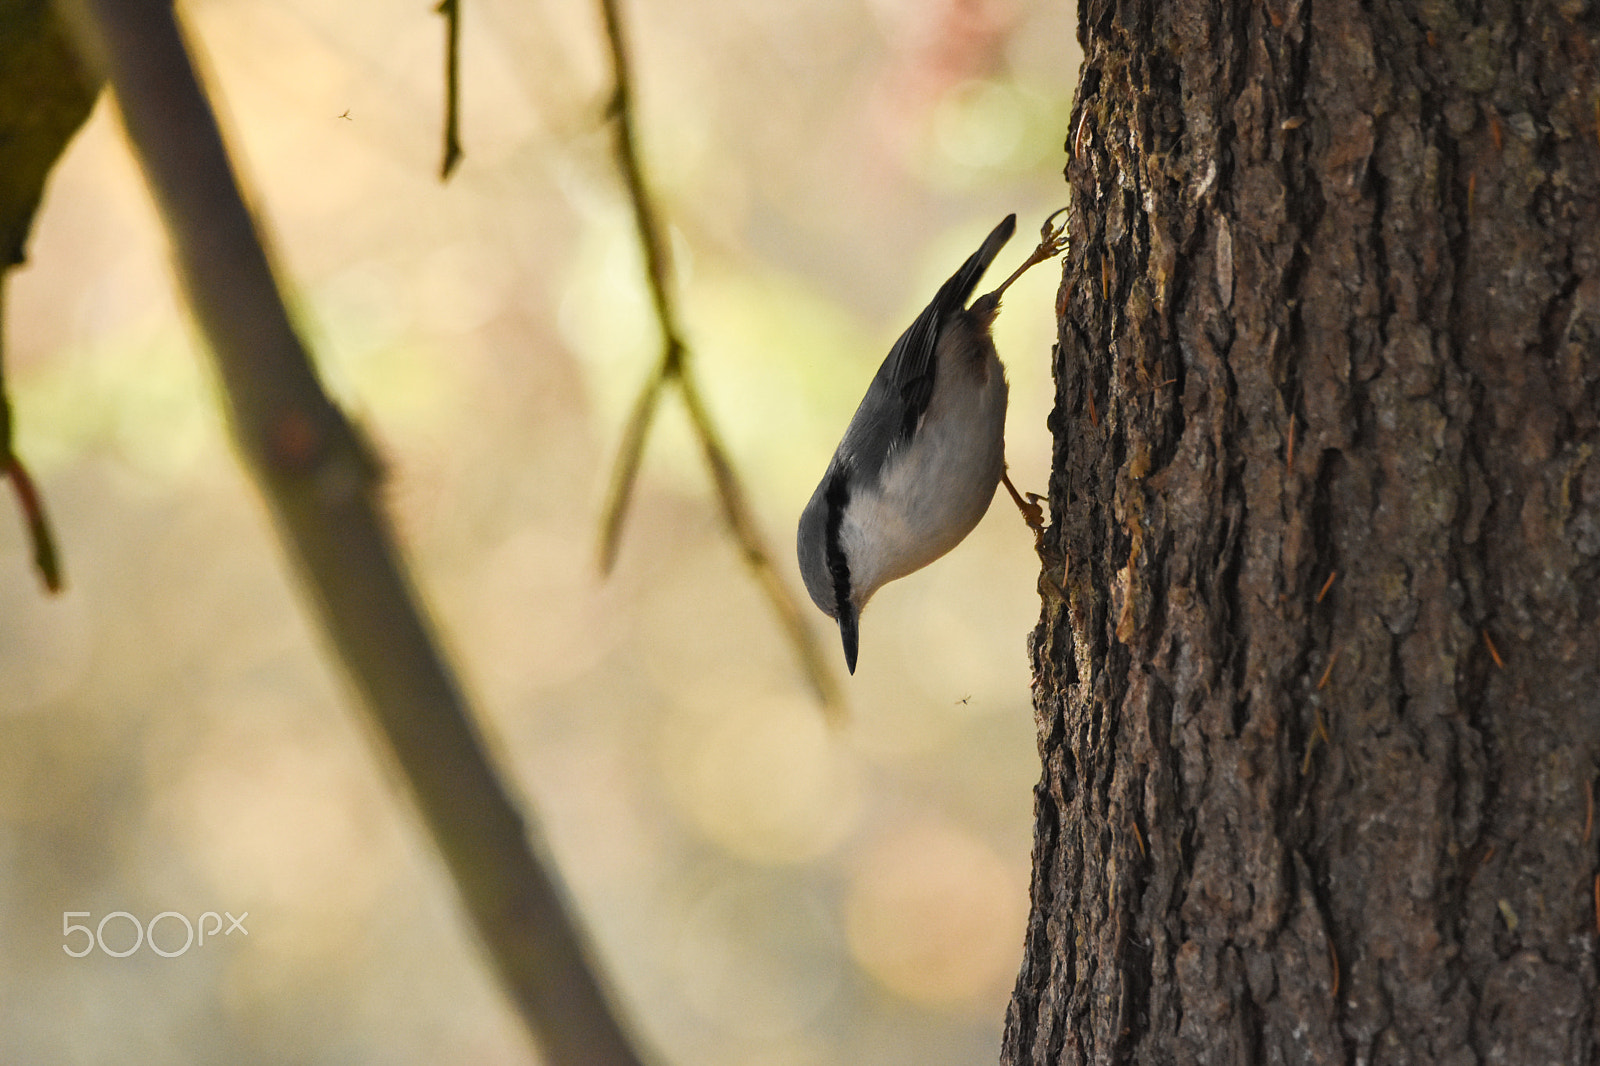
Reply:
x=1052, y=238
x=1028, y=504
x=1052, y=241
x=1032, y=513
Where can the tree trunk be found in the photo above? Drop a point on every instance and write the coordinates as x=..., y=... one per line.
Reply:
x=1319, y=705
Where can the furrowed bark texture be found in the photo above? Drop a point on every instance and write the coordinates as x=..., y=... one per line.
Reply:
x=1333, y=308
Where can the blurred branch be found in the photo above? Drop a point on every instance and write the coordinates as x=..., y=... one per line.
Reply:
x=620, y=495
x=321, y=485
x=45, y=96
x=451, y=10
x=45, y=558
x=674, y=368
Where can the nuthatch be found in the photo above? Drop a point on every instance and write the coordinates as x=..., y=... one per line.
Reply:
x=922, y=457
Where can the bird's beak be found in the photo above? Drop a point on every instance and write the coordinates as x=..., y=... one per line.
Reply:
x=849, y=634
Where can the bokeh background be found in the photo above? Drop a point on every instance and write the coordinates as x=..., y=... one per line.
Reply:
x=174, y=737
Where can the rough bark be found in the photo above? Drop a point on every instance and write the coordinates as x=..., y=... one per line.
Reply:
x=1333, y=308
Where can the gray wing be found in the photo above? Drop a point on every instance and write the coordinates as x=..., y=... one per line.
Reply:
x=901, y=390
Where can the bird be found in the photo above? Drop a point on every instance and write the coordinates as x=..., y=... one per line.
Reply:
x=921, y=458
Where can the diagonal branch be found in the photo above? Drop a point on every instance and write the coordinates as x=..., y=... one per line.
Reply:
x=645, y=219
x=321, y=485
x=619, y=496
x=674, y=369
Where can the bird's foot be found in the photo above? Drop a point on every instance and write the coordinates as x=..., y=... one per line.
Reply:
x=1032, y=513
x=1052, y=239
x=1052, y=242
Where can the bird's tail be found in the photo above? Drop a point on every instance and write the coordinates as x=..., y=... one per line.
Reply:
x=953, y=294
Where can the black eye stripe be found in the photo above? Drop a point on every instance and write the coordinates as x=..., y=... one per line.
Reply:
x=836, y=496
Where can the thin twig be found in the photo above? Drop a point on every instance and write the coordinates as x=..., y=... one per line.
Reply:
x=645, y=220
x=45, y=557
x=320, y=483
x=673, y=368
x=451, y=10
x=619, y=500
x=619, y=497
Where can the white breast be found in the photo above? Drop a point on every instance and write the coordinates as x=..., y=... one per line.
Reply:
x=936, y=489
